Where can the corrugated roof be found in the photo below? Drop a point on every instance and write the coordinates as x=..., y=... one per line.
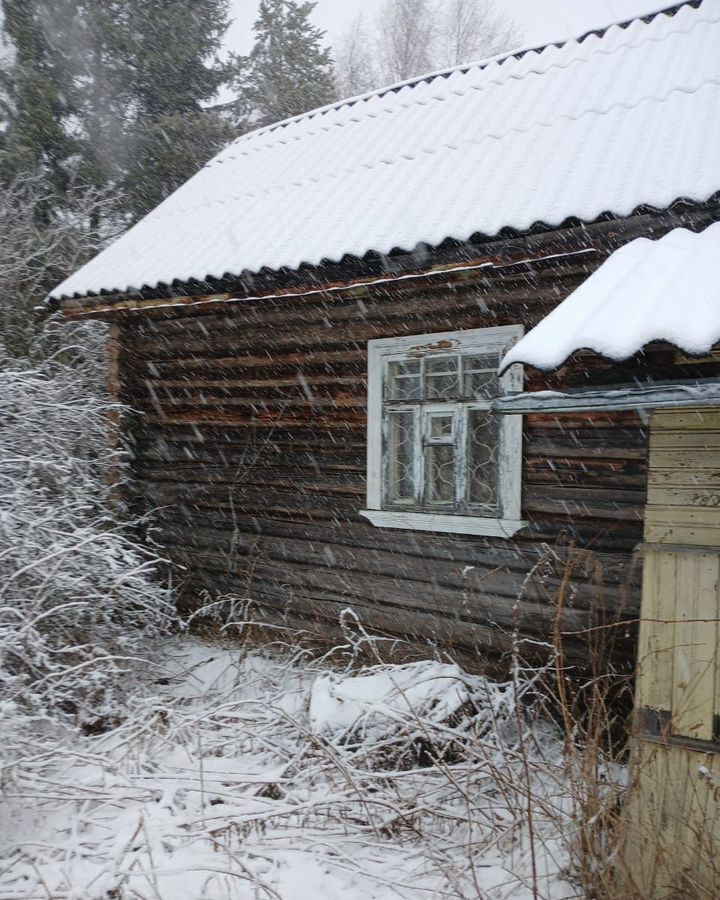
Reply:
x=617, y=120
x=664, y=290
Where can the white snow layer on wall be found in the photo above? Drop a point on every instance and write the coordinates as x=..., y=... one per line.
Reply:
x=606, y=124
x=664, y=290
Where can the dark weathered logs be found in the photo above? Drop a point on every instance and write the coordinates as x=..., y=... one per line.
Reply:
x=249, y=444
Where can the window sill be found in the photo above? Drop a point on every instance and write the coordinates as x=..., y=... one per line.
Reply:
x=503, y=528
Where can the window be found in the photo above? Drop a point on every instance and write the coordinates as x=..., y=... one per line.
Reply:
x=438, y=458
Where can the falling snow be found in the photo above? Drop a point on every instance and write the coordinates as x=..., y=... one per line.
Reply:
x=553, y=134
x=241, y=775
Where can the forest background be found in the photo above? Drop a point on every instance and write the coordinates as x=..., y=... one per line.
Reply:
x=106, y=108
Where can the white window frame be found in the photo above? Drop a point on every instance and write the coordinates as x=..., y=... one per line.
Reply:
x=480, y=341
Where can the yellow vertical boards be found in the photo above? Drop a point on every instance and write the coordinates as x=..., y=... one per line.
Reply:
x=683, y=503
x=672, y=847
x=672, y=823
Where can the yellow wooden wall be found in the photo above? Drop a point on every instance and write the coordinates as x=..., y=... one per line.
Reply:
x=683, y=504
x=672, y=821
x=672, y=847
x=679, y=676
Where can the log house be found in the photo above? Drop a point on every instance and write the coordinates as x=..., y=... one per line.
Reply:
x=309, y=331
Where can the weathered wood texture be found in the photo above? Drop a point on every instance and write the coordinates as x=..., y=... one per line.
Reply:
x=679, y=670
x=672, y=826
x=673, y=815
x=113, y=384
x=684, y=482
x=250, y=446
x=677, y=655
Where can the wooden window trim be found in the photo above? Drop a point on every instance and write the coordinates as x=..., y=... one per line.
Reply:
x=479, y=340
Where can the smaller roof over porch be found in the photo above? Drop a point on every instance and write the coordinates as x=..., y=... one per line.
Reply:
x=665, y=290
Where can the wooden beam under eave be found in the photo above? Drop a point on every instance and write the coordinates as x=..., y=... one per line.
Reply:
x=92, y=308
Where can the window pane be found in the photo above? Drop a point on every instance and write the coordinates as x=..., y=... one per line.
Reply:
x=440, y=471
x=404, y=380
x=441, y=378
x=401, y=457
x=480, y=376
x=483, y=447
x=441, y=426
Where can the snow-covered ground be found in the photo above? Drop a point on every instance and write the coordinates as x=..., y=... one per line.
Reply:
x=241, y=775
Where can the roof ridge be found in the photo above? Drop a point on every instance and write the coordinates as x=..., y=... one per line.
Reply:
x=481, y=64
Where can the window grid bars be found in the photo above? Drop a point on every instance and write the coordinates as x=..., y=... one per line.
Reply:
x=423, y=409
x=504, y=517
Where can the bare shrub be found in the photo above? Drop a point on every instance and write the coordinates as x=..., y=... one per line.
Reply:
x=76, y=591
x=410, y=38
x=39, y=250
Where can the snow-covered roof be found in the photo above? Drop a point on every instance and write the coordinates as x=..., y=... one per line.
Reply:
x=664, y=290
x=606, y=123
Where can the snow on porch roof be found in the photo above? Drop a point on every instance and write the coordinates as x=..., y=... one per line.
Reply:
x=606, y=123
x=664, y=290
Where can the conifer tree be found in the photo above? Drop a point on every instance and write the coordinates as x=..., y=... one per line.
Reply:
x=289, y=71
x=92, y=42
x=112, y=95
x=37, y=99
x=173, y=47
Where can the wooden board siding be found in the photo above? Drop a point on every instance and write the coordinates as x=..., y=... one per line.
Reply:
x=672, y=825
x=250, y=445
x=672, y=820
x=679, y=678
x=677, y=654
x=684, y=484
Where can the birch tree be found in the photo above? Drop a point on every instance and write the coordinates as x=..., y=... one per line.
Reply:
x=405, y=37
x=355, y=62
x=410, y=38
x=473, y=30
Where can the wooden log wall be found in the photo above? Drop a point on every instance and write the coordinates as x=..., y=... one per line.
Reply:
x=250, y=445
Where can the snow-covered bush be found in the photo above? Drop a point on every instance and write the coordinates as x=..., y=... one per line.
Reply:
x=237, y=781
x=44, y=238
x=410, y=715
x=77, y=594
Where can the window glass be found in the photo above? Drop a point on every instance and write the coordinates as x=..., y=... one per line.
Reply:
x=483, y=442
x=439, y=449
x=401, y=453
x=480, y=377
x=442, y=425
x=441, y=378
x=440, y=473
x=404, y=380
